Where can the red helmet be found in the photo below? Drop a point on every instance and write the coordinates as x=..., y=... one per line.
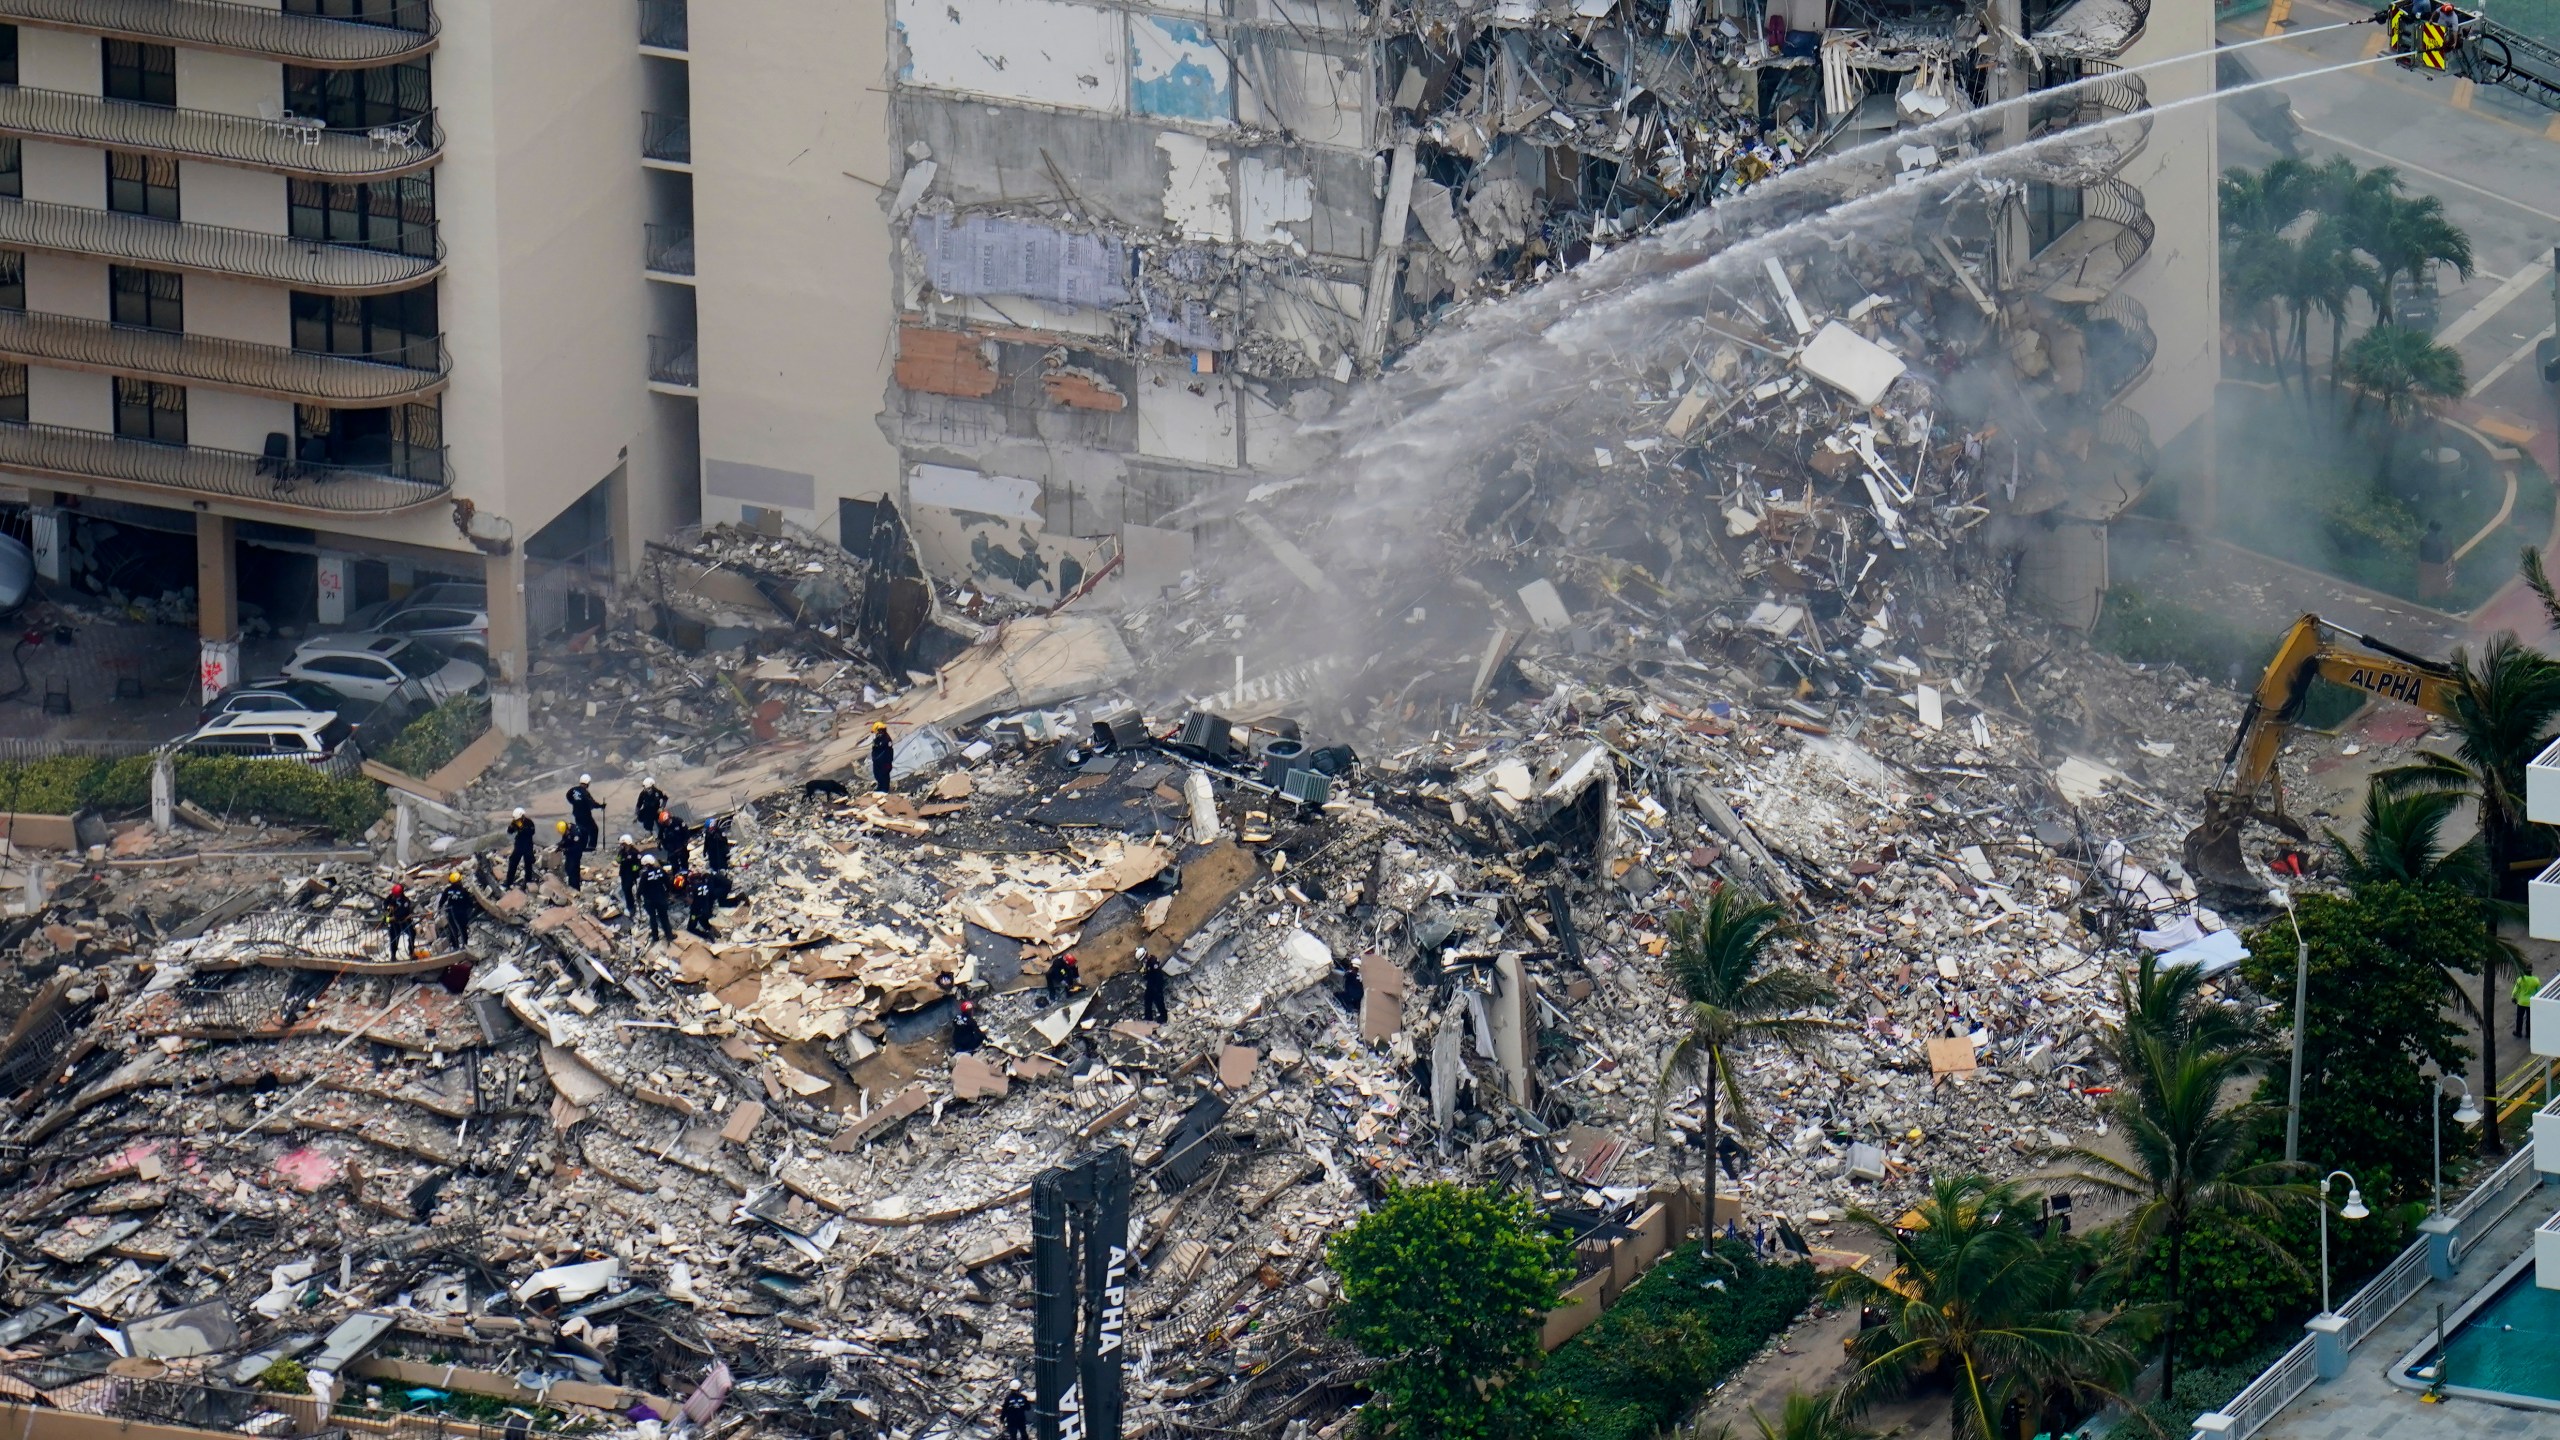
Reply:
x=399, y=890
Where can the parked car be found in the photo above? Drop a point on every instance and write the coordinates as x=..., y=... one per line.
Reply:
x=312, y=737
x=468, y=595
x=17, y=572
x=380, y=667
x=276, y=693
x=462, y=629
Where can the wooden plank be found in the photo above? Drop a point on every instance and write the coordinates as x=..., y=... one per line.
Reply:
x=475, y=759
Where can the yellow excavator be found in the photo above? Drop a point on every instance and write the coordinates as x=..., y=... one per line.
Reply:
x=2312, y=650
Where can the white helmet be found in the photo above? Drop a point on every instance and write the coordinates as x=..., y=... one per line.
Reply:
x=586, y=779
x=648, y=782
x=649, y=860
x=519, y=812
x=626, y=839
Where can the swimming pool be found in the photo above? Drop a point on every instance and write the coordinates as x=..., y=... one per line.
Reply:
x=2502, y=1345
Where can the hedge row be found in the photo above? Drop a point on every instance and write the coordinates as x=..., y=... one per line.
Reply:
x=1673, y=1336
x=427, y=743
x=279, y=790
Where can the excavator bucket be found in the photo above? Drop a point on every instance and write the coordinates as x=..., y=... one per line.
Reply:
x=2213, y=853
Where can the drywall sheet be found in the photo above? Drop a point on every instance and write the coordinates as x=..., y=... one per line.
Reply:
x=1014, y=558
x=953, y=488
x=1038, y=51
x=1199, y=197
x=1178, y=72
x=1186, y=416
x=1320, y=99
x=986, y=255
x=1275, y=202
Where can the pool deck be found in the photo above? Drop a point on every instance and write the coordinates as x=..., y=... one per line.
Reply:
x=2363, y=1404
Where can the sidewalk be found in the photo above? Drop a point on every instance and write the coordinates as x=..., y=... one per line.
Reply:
x=2364, y=1405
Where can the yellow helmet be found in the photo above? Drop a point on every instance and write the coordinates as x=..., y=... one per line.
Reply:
x=454, y=878
x=560, y=825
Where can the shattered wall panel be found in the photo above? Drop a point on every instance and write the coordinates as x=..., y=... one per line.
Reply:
x=1040, y=52
x=1199, y=190
x=1001, y=496
x=1318, y=98
x=1275, y=201
x=1183, y=416
x=989, y=255
x=1012, y=557
x=1178, y=71
x=1100, y=168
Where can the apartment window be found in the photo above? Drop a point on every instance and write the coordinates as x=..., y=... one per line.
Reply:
x=2051, y=212
x=142, y=74
x=9, y=61
x=13, y=393
x=150, y=299
x=387, y=215
x=396, y=329
x=13, y=168
x=358, y=99
x=398, y=14
x=149, y=410
x=13, y=280
x=142, y=185
x=402, y=440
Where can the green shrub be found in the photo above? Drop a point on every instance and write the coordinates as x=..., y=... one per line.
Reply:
x=2154, y=631
x=280, y=790
x=285, y=1377
x=1672, y=1336
x=2240, y=1299
x=426, y=744
x=45, y=787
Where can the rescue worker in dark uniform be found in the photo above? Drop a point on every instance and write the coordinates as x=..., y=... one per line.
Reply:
x=651, y=801
x=400, y=922
x=966, y=1034
x=1062, y=974
x=700, y=894
x=654, y=897
x=1016, y=1415
x=573, y=848
x=884, y=755
x=519, y=850
x=715, y=843
x=1153, y=1006
x=582, y=813
x=675, y=841
x=456, y=904
x=626, y=863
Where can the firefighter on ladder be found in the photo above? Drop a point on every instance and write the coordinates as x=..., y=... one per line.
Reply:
x=2422, y=32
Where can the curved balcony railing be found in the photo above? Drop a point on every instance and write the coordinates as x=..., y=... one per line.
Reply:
x=2093, y=257
x=663, y=24
x=240, y=28
x=291, y=145
x=73, y=342
x=672, y=362
x=55, y=452
x=2121, y=344
x=2090, y=29
x=666, y=137
x=2102, y=149
x=670, y=249
x=211, y=249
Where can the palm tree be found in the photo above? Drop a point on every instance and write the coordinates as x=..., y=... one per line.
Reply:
x=2169, y=1006
x=2404, y=372
x=1715, y=960
x=2323, y=276
x=2189, y=1153
x=2253, y=277
x=2406, y=234
x=1809, y=1417
x=1984, y=1293
x=2264, y=202
x=2401, y=841
x=2506, y=704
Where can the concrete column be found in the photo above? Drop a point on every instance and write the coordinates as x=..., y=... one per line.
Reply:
x=332, y=581
x=164, y=793
x=2442, y=1235
x=217, y=604
x=404, y=829
x=510, y=708
x=2328, y=1345
x=49, y=535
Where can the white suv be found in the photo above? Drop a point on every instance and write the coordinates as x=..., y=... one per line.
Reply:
x=311, y=737
x=378, y=667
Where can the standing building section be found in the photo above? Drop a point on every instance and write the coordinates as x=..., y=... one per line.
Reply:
x=328, y=284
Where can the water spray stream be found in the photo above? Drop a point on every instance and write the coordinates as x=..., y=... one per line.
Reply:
x=1470, y=388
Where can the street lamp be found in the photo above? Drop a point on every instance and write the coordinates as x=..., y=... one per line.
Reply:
x=2352, y=1210
x=2301, y=987
x=2468, y=1113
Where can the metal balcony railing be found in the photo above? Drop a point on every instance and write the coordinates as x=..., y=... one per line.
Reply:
x=56, y=452
x=72, y=342
x=662, y=24
x=292, y=145
x=666, y=137
x=671, y=361
x=2102, y=150
x=2089, y=29
x=670, y=249
x=2093, y=257
x=2121, y=344
x=405, y=28
x=211, y=249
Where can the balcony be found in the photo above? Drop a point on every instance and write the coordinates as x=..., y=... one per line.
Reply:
x=2092, y=258
x=672, y=368
x=2117, y=110
x=2542, y=786
x=211, y=249
x=2542, y=1017
x=2088, y=29
x=72, y=343
x=196, y=471
x=670, y=249
x=239, y=28
x=667, y=139
x=2546, y=1138
x=295, y=147
x=662, y=25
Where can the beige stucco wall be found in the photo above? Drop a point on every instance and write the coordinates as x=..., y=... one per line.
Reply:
x=796, y=312
x=2179, y=284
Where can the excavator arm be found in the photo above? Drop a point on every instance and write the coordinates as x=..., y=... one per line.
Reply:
x=2251, y=788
